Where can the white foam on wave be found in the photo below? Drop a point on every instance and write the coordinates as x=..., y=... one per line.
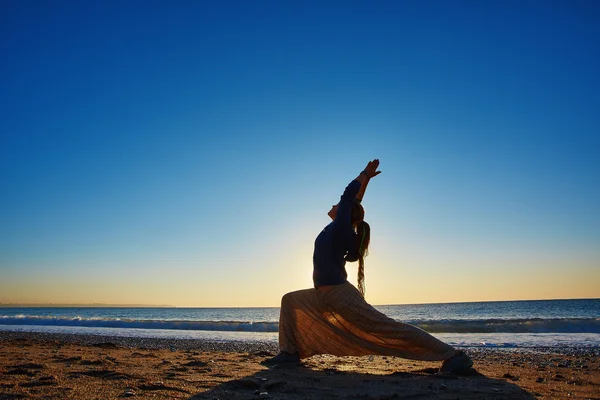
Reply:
x=226, y=326
x=529, y=325
x=218, y=336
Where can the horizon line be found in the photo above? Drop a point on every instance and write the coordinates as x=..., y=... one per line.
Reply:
x=109, y=305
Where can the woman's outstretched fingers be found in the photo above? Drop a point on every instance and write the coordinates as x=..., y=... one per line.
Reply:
x=371, y=169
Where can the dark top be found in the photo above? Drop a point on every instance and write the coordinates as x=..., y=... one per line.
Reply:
x=335, y=243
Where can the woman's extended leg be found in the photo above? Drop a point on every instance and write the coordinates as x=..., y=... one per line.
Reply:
x=371, y=332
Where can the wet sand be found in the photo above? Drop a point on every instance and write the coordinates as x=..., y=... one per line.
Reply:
x=42, y=366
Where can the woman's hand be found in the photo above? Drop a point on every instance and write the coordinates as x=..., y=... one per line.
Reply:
x=364, y=177
x=371, y=169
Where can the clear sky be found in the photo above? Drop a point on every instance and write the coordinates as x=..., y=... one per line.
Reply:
x=187, y=152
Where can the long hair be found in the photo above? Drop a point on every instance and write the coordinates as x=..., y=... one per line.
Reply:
x=363, y=238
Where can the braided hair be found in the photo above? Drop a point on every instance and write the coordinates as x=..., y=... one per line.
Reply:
x=363, y=238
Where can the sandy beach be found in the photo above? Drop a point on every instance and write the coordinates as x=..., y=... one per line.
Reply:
x=35, y=365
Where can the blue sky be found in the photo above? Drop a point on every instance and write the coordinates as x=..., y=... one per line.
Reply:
x=187, y=153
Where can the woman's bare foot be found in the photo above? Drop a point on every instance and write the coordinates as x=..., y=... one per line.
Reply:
x=283, y=358
x=460, y=362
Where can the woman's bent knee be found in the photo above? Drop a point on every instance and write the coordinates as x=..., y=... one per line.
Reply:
x=286, y=300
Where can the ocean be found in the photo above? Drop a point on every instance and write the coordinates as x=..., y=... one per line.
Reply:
x=503, y=324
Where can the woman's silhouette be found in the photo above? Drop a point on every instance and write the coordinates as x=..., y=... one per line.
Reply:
x=334, y=318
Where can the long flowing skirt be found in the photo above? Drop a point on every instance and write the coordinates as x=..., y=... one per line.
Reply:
x=340, y=322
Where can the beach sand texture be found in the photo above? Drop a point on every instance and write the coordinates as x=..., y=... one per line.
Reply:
x=42, y=366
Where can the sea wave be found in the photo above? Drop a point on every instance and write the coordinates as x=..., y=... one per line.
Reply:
x=225, y=326
x=535, y=325
x=532, y=325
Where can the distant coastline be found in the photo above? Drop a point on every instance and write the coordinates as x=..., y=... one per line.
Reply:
x=91, y=305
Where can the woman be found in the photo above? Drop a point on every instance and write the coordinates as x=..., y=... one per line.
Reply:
x=334, y=318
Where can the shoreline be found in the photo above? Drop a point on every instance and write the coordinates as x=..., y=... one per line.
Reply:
x=50, y=365
x=247, y=345
x=143, y=342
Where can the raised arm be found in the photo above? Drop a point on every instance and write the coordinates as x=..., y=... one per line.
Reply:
x=365, y=176
x=356, y=188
